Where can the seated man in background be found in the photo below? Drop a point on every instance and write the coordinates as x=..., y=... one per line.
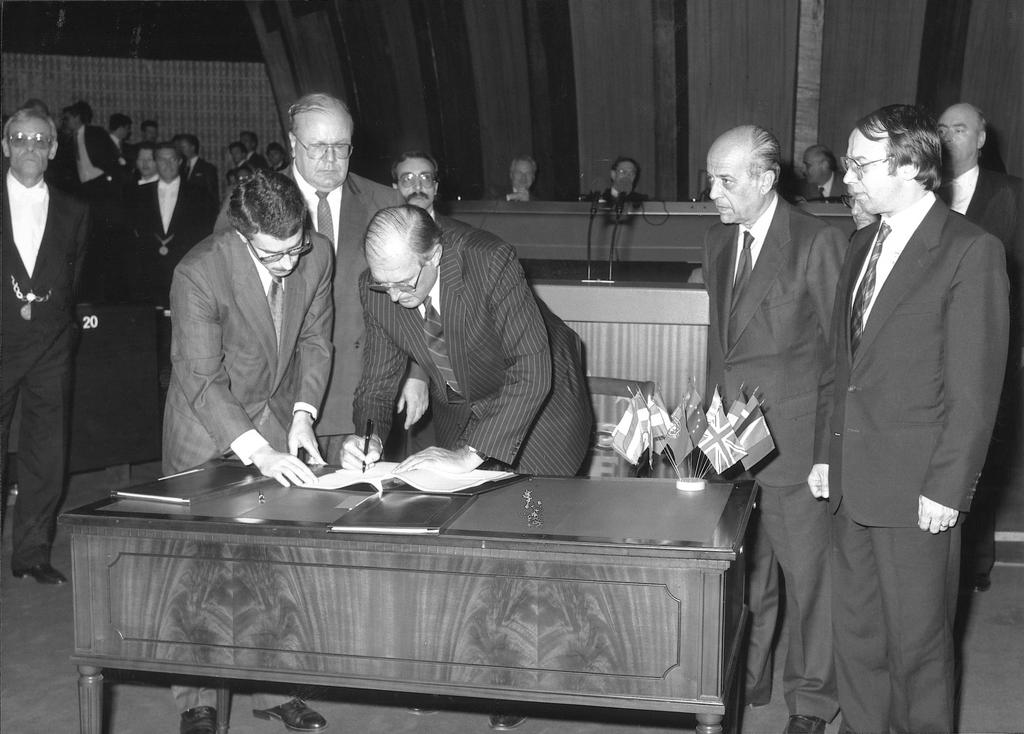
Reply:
x=522, y=172
x=624, y=174
x=822, y=179
x=251, y=354
x=277, y=158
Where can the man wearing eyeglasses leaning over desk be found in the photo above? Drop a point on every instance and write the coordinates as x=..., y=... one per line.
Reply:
x=251, y=353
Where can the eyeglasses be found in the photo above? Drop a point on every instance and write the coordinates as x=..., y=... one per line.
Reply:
x=409, y=179
x=29, y=140
x=400, y=287
x=298, y=251
x=858, y=168
x=318, y=151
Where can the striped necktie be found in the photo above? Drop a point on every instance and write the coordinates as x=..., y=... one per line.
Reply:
x=436, y=343
x=858, y=314
x=742, y=276
x=324, y=221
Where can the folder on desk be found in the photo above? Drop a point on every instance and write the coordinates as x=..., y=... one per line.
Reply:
x=402, y=513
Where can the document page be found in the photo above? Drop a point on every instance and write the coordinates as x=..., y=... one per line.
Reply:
x=425, y=480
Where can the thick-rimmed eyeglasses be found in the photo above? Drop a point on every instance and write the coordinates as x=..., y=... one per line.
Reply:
x=272, y=257
x=400, y=287
x=318, y=151
x=29, y=140
x=858, y=168
x=409, y=179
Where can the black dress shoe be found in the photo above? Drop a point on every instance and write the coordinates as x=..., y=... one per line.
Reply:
x=505, y=722
x=295, y=715
x=799, y=724
x=982, y=582
x=199, y=720
x=44, y=573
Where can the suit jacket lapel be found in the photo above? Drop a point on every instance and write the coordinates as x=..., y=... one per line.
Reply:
x=294, y=297
x=722, y=267
x=765, y=270
x=253, y=300
x=858, y=253
x=905, y=273
x=454, y=312
x=14, y=256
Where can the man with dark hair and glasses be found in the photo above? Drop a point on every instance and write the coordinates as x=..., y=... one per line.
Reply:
x=251, y=355
x=905, y=413
x=43, y=245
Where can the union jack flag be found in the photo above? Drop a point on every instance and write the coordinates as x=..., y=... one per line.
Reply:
x=719, y=442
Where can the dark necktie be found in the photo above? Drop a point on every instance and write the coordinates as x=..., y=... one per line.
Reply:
x=436, y=343
x=324, y=222
x=275, y=299
x=858, y=314
x=742, y=276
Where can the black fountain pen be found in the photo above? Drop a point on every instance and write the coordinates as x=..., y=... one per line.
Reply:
x=366, y=441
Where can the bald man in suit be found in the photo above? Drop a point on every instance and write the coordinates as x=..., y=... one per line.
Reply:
x=771, y=273
x=509, y=387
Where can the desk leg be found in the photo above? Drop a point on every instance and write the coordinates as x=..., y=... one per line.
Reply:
x=709, y=724
x=90, y=699
x=223, y=709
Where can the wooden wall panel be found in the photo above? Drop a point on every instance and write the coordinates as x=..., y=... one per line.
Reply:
x=497, y=46
x=993, y=70
x=742, y=70
x=613, y=53
x=870, y=58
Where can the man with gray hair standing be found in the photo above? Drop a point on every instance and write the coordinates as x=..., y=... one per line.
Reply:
x=771, y=272
x=340, y=204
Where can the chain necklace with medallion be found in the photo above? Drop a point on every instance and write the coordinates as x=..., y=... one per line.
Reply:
x=28, y=299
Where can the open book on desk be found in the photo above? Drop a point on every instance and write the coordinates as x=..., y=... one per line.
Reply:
x=382, y=476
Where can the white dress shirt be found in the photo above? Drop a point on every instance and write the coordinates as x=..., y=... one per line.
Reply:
x=167, y=194
x=903, y=225
x=963, y=190
x=759, y=231
x=29, y=206
x=313, y=201
x=251, y=441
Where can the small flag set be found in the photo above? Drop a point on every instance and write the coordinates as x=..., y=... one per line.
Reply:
x=722, y=439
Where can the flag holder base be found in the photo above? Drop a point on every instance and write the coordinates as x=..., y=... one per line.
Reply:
x=691, y=484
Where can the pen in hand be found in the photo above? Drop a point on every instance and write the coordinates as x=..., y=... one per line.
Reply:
x=366, y=441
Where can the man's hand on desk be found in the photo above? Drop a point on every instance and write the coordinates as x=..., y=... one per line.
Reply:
x=352, y=455
x=285, y=468
x=301, y=435
x=452, y=462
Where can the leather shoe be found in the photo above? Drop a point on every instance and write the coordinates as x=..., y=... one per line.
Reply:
x=199, y=720
x=982, y=582
x=295, y=715
x=800, y=724
x=44, y=573
x=506, y=722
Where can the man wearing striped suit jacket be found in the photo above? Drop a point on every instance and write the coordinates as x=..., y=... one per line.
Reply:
x=506, y=382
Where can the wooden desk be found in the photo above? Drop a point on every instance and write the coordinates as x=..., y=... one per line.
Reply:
x=612, y=593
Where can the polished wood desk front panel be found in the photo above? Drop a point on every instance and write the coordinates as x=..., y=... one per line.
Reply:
x=538, y=607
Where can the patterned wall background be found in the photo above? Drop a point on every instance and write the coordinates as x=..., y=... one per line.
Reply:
x=212, y=99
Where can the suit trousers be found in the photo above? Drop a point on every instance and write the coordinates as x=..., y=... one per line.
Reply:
x=893, y=609
x=41, y=375
x=793, y=533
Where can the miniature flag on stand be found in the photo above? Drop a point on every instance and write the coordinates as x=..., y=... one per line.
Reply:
x=719, y=442
x=753, y=433
x=661, y=422
x=696, y=421
x=678, y=444
x=633, y=433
